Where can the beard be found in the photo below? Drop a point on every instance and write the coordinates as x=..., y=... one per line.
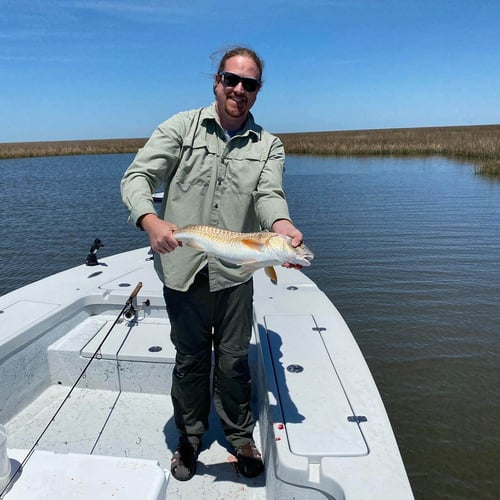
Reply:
x=236, y=109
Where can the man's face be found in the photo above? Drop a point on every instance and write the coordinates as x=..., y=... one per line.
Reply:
x=234, y=102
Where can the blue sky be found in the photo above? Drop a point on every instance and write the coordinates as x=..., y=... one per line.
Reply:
x=77, y=69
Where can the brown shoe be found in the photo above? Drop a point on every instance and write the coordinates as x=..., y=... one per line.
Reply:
x=249, y=460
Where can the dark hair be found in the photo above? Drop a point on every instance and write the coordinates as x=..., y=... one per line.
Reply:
x=241, y=51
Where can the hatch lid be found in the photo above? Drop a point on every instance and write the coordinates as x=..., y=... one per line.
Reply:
x=315, y=406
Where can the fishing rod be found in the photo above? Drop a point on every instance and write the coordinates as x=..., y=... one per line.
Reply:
x=126, y=310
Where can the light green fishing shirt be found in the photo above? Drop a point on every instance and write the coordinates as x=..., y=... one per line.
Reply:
x=232, y=183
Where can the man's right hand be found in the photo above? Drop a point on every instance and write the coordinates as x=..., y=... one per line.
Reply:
x=160, y=232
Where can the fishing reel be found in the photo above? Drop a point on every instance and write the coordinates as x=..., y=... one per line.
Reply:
x=130, y=312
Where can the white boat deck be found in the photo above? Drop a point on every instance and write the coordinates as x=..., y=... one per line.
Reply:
x=108, y=423
x=321, y=424
x=120, y=408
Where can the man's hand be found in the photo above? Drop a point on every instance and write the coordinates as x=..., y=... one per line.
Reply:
x=160, y=232
x=284, y=226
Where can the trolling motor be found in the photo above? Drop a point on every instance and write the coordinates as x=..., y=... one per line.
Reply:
x=91, y=259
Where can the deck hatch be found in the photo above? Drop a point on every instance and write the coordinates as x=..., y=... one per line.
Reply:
x=316, y=425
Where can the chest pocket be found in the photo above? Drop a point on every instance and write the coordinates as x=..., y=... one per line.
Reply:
x=195, y=169
x=197, y=160
x=243, y=172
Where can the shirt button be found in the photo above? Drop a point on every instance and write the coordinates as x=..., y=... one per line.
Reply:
x=216, y=206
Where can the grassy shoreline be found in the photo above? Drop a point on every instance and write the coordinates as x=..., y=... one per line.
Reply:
x=479, y=144
x=9, y=150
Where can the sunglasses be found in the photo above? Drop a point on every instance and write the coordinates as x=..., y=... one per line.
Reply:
x=231, y=80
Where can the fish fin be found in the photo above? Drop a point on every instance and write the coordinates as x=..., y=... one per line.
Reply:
x=250, y=265
x=254, y=244
x=195, y=245
x=271, y=274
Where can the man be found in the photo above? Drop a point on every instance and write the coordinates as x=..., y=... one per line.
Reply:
x=219, y=168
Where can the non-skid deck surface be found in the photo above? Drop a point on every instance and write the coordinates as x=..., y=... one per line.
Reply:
x=135, y=425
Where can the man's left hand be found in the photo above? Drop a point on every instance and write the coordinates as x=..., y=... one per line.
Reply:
x=284, y=226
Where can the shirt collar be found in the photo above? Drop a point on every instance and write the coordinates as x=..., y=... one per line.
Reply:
x=250, y=127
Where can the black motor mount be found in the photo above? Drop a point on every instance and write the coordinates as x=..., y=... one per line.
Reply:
x=91, y=259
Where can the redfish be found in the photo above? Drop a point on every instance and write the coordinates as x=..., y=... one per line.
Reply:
x=249, y=250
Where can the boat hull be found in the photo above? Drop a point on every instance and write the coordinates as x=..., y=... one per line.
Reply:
x=321, y=423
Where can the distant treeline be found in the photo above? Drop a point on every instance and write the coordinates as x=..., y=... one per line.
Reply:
x=480, y=144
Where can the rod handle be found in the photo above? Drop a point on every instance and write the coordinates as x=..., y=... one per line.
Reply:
x=135, y=291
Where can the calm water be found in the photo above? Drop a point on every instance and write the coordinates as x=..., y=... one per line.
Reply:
x=408, y=250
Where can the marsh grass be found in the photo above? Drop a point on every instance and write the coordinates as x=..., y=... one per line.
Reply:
x=474, y=142
x=479, y=144
x=64, y=148
x=490, y=169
